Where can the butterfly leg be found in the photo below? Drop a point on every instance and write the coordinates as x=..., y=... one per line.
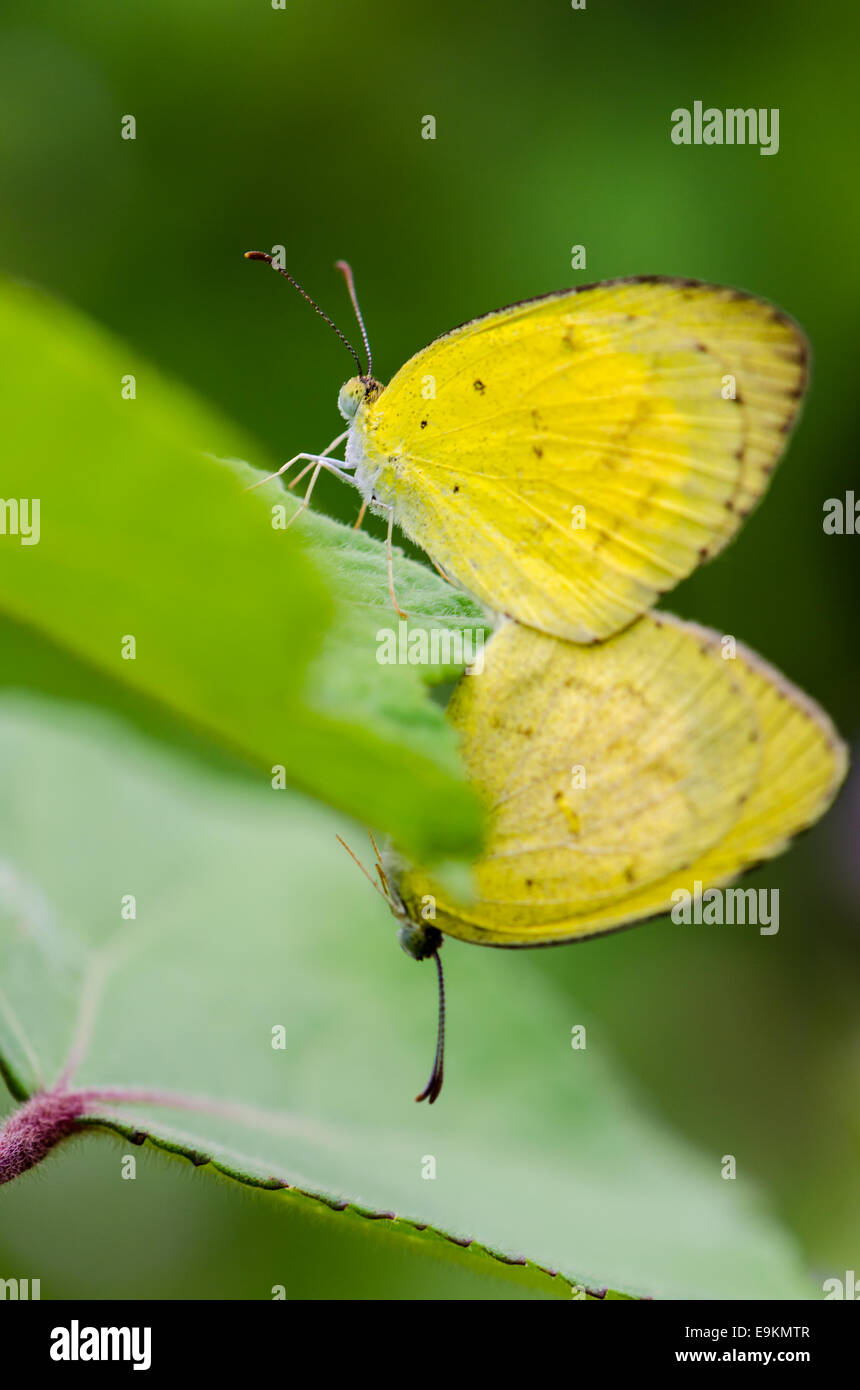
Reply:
x=317, y=464
x=312, y=457
x=307, y=468
x=307, y=497
x=360, y=517
x=390, y=509
x=442, y=572
x=334, y=466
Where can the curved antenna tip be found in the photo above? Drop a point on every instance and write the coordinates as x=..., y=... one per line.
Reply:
x=431, y=1091
x=264, y=256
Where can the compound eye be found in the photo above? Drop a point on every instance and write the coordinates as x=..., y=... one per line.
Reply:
x=350, y=398
x=419, y=941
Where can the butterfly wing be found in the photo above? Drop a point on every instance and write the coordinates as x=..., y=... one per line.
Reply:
x=569, y=459
x=615, y=774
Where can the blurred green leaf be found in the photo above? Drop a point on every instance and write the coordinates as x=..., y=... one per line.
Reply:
x=240, y=641
x=540, y=1151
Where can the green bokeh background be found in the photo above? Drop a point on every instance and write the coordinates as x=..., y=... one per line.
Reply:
x=302, y=127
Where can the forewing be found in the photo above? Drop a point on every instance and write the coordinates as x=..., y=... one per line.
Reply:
x=569, y=459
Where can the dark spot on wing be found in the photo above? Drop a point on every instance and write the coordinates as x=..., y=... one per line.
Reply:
x=538, y=450
x=423, y=424
x=479, y=386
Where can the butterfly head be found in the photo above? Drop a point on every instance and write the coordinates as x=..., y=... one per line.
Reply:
x=418, y=939
x=355, y=392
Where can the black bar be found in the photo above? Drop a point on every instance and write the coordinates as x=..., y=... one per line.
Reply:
x=222, y=1339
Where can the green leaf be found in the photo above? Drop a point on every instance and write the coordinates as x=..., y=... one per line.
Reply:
x=257, y=643
x=246, y=923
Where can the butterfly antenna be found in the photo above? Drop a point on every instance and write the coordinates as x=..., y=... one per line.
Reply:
x=437, y=1075
x=346, y=271
x=380, y=866
x=356, y=860
x=270, y=260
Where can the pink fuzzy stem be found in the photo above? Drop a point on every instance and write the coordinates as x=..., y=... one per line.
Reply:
x=50, y=1116
x=32, y=1132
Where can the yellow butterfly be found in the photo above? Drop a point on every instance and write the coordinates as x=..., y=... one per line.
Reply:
x=569, y=459
x=614, y=776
